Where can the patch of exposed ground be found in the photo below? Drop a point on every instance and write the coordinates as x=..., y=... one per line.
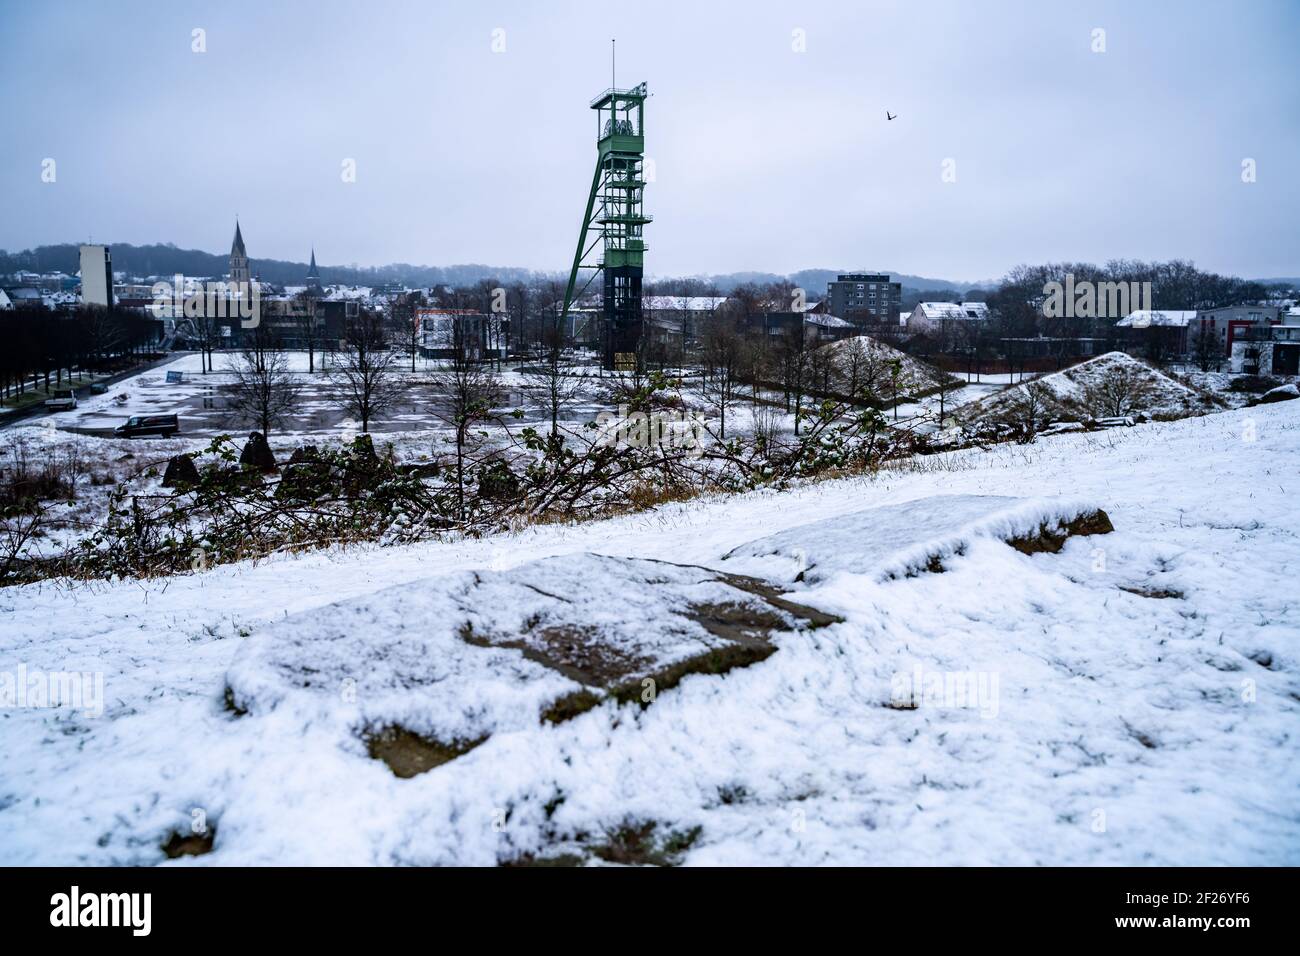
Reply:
x=1155, y=593
x=191, y=844
x=633, y=842
x=740, y=623
x=1051, y=538
x=409, y=754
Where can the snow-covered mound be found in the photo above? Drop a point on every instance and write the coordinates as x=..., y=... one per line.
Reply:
x=902, y=539
x=862, y=361
x=1110, y=385
x=1283, y=393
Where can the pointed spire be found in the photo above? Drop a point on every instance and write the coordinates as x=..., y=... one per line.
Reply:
x=237, y=247
x=313, y=273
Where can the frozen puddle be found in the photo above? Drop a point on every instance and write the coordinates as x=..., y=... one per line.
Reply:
x=905, y=539
x=418, y=674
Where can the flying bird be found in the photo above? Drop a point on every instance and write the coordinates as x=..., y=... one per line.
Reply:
x=889, y=115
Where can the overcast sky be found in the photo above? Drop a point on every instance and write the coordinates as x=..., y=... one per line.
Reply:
x=766, y=158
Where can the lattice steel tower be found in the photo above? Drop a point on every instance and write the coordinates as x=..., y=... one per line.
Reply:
x=615, y=219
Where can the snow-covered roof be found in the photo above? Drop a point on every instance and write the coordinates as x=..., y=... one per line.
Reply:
x=826, y=321
x=954, y=310
x=347, y=292
x=684, y=303
x=1142, y=318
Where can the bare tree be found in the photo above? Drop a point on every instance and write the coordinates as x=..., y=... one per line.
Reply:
x=264, y=392
x=309, y=326
x=100, y=331
x=406, y=322
x=895, y=375
x=1206, y=351
x=860, y=369
x=471, y=391
x=724, y=356
x=947, y=384
x=555, y=385
x=793, y=361
x=514, y=324
x=1027, y=409
x=821, y=365
x=363, y=370
x=975, y=343
x=1119, y=390
x=203, y=332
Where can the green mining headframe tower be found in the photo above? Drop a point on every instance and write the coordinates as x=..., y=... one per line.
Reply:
x=615, y=216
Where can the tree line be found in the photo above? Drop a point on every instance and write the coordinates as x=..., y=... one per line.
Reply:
x=45, y=346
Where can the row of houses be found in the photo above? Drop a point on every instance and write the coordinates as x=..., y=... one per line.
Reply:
x=45, y=281
x=56, y=291
x=1263, y=339
x=26, y=296
x=1250, y=338
x=206, y=310
x=1243, y=334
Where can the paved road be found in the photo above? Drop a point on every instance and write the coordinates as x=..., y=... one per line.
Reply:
x=13, y=417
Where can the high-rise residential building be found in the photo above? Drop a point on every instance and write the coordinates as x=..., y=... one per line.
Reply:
x=96, y=276
x=865, y=298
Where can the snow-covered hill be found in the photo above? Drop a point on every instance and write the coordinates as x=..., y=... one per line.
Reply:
x=1132, y=698
x=1109, y=385
x=865, y=362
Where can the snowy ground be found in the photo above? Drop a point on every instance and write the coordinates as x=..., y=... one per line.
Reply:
x=969, y=392
x=413, y=428
x=1140, y=690
x=201, y=402
x=416, y=428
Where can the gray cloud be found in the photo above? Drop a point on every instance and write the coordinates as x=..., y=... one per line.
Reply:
x=766, y=158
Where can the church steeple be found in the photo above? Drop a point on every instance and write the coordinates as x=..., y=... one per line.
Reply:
x=313, y=274
x=238, y=258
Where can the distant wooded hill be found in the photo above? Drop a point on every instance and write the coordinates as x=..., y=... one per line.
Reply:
x=164, y=259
